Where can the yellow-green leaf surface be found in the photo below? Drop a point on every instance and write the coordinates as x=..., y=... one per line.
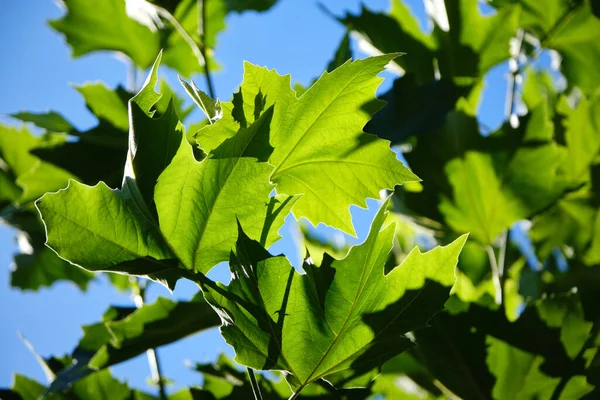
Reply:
x=198, y=203
x=339, y=321
x=319, y=148
x=97, y=227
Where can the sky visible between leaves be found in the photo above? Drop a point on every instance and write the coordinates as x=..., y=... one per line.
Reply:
x=294, y=37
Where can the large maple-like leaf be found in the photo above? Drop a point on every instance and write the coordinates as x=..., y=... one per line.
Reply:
x=99, y=228
x=316, y=138
x=338, y=321
x=118, y=226
x=198, y=202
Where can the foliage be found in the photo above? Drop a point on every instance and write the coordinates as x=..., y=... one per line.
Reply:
x=448, y=296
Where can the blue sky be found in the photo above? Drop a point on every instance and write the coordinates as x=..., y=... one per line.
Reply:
x=294, y=37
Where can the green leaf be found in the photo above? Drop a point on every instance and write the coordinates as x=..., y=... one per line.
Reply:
x=90, y=26
x=569, y=27
x=491, y=182
x=102, y=386
x=474, y=43
x=519, y=377
x=106, y=104
x=566, y=313
x=127, y=332
x=467, y=47
x=32, y=175
x=582, y=136
x=153, y=140
x=315, y=139
x=26, y=388
x=99, y=228
x=119, y=227
x=198, y=202
x=397, y=32
x=338, y=321
x=51, y=121
x=43, y=268
x=210, y=107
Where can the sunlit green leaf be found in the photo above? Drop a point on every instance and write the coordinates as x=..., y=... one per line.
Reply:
x=344, y=309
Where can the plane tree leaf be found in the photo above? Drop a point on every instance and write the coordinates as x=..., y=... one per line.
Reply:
x=467, y=45
x=50, y=121
x=106, y=104
x=97, y=227
x=118, y=230
x=127, y=332
x=397, y=31
x=473, y=43
x=573, y=220
x=139, y=29
x=42, y=268
x=198, y=202
x=491, y=182
x=519, y=376
x=315, y=138
x=90, y=27
x=338, y=321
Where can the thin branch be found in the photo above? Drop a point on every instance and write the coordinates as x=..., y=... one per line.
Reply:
x=156, y=371
x=203, y=46
x=495, y=275
x=502, y=252
x=184, y=34
x=254, y=384
x=138, y=292
x=515, y=73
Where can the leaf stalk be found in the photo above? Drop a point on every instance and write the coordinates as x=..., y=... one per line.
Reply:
x=254, y=384
x=202, y=46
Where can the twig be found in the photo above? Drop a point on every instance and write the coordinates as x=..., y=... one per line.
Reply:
x=495, y=275
x=515, y=73
x=254, y=384
x=202, y=46
x=502, y=252
x=184, y=34
x=139, y=291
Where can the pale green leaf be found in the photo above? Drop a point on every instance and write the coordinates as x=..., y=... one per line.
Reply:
x=320, y=150
x=210, y=107
x=198, y=203
x=98, y=228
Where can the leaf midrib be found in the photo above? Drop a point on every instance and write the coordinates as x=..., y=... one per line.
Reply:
x=299, y=102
